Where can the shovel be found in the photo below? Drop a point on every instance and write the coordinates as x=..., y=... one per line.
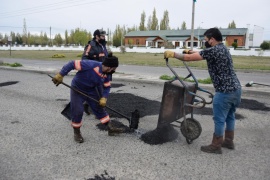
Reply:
x=249, y=84
x=133, y=120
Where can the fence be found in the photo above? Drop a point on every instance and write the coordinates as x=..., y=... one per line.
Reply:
x=240, y=52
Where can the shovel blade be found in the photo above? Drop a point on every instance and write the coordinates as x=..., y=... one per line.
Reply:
x=67, y=112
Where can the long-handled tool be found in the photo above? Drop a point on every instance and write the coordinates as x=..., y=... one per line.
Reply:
x=249, y=84
x=133, y=120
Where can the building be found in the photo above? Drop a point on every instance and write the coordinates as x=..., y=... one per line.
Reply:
x=182, y=38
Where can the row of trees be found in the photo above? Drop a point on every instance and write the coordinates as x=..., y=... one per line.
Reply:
x=82, y=36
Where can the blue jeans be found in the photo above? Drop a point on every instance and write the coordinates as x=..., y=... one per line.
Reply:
x=224, y=106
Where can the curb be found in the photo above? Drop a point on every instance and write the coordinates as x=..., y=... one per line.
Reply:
x=246, y=91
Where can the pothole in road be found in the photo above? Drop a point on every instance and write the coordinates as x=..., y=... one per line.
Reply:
x=103, y=176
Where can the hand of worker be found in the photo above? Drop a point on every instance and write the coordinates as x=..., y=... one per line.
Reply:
x=57, y=79
x=168, y=54
x=187, y=51
x=102, y=102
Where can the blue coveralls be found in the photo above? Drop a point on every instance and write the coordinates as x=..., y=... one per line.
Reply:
x=88, y=79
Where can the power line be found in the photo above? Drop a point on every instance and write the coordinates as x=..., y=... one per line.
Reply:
x=39, y=11
x=31, y=8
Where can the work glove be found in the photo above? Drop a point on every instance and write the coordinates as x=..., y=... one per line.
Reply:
x=57, y=79
x=168, y=54
x=186, y=51
x=102, y=102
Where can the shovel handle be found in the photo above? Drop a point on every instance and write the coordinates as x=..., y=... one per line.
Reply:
x=74, y=89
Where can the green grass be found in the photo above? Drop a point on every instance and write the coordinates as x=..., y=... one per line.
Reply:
x=11, y=65
x=202, y=81
x=144, y=59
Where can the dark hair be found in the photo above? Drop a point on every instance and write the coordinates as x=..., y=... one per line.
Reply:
x=111, y=61
x=213, y=33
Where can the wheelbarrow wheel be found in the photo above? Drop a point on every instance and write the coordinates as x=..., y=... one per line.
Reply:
x=192, y=131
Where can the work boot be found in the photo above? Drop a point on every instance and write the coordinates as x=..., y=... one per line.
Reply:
x=215, y=147
x=228, y=141
x=114, y=130
x=86, y=108
x=77, y=135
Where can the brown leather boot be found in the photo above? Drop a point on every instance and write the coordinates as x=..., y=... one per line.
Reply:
x=228, y=141
x=77, y=135
x=215, y=147
x=114, y=130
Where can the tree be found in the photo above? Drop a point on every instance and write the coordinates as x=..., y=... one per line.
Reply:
x=45, y=39
x=142, y=23
x=234, y=45
x=184, y=26
x=24, y=36
x=18, y=39
x=265, y=45
x=232, y=25
x=80, y=37
x=164, y=23
x=154, y=25
x=117, y=36
x=12, y=34
x=149, y=23
x=58, y=39
x=66, y=38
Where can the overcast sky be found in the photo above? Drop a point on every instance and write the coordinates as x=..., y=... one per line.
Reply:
x=63, y=15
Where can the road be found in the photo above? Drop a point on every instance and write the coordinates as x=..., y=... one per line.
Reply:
x=150, y=72
x=37, y=141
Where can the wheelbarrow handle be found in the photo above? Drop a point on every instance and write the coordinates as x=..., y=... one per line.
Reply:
x=199, y=104
x=74, y=89
x=211, y=95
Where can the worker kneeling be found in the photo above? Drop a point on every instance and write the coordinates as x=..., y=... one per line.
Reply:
x=89, y=79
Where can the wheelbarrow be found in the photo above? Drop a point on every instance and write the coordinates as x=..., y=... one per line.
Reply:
x=178, y=100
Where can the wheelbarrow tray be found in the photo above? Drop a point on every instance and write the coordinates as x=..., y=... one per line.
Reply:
x=173, y=101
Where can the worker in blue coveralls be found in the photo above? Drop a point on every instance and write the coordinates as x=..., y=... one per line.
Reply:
x=96, y=50
x=90, y=76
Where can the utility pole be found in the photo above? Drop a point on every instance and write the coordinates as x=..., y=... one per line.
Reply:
x=192, y=24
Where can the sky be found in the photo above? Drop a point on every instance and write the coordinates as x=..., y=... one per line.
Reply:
x=61, y=15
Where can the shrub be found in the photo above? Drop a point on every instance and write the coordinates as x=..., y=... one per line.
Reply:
x=11, y=65
x=234, y=45
x=15, y=64
x=58, y=56
x=265, y=45
x=123, y=49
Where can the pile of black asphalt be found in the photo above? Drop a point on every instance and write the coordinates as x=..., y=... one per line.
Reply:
x=125, y=103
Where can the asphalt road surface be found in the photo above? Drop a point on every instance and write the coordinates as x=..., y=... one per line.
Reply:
x=37, y=141
x=152, y=72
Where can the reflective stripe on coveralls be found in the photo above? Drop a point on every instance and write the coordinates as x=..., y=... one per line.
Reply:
x=77, y=64
x=88, y=50
x=105, y=119
x=76, y=125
